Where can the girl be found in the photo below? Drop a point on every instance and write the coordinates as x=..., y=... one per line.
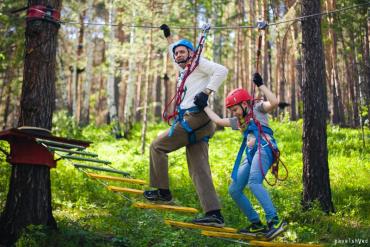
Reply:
x=260, y=149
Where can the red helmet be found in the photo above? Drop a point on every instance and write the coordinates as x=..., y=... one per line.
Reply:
x=237, y=96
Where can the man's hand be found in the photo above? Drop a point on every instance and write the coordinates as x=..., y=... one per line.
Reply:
x=200, y=100
x=257, y=79
x=166, y=30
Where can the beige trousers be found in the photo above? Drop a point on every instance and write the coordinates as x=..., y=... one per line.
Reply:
x=196, y=155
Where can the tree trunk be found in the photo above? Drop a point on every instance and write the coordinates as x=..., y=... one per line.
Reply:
x=316, y=183
x=353, y=113
x=293, y=77
x=252, y=45
x=86, y=87
x=63, y=81
x=130, y=89
x=121, y=75
x=7, y=106
x=337, y=105
x=217, y=14
x=138, y=99
x=111, y=82
x=101, y=112
x=195, y=21
x=76, y=69
x=265, y=52
x=157, y=90
x=277, y=70
x=300, y=85
x=29, y=197
x=146, y=86
x=6, y=88
x=365, y=65
x=282, y=78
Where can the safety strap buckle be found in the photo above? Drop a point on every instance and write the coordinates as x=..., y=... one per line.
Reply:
x=206, y=27
x=261, y=24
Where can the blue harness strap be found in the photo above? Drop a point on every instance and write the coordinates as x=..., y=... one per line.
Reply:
x=252, y=127
x=234, y=173
x=185, y=125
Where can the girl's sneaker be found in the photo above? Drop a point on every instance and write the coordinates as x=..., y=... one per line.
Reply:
x=254, y=229
x=275, y=227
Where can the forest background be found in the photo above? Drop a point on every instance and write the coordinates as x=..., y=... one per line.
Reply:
x=113, y=72
x=114, y=77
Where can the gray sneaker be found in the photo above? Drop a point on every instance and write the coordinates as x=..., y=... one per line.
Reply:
x=156, y=196
x=210, y=220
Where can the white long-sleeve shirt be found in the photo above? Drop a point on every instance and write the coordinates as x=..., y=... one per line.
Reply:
x=206, y=75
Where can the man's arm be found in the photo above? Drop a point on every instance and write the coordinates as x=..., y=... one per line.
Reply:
x=216, y=71
x=167, y=33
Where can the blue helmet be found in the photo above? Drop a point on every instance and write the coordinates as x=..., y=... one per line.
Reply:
x=183, y=42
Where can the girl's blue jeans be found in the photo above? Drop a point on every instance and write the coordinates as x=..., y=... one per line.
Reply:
x=250, y=174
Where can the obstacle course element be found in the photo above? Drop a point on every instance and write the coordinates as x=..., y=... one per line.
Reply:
x=254, y=241
x=165, y=207
x=104, y=169
x=25, y=148
x=181, y=224
x=35, y=146
x=112, y=178
x=126, y=190
x=234, y=235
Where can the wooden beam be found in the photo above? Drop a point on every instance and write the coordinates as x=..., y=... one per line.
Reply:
x=196, y=226
x=281, y=244
x=165, y=207
x=126, y=190
x=254, y=241
x=113, y=178
x=230, y=235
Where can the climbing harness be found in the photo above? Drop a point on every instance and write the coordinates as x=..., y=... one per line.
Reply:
x=262, y=140
x=178, y=114
x=258, y=130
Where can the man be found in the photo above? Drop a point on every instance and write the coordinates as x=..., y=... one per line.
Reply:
x=191, y=129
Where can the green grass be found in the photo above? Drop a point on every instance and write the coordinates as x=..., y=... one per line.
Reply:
x=89, y=215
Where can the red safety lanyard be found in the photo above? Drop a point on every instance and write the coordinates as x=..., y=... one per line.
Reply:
x=250, y=115
x=190, y=67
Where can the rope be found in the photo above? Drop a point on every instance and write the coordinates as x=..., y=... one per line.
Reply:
x=86, y=173
x=276, y=154
x=220, y=27
x=318, y=14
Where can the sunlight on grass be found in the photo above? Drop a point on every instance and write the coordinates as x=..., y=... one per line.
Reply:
x=86, y=211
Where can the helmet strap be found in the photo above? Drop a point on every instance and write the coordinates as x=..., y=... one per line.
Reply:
x=244, y=109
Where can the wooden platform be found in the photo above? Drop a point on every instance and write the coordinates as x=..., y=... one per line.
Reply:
x=201, y=227
x=253, y=241
x=125, y=190
x=230, y=235
x=165, y=207
x=113, y=178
